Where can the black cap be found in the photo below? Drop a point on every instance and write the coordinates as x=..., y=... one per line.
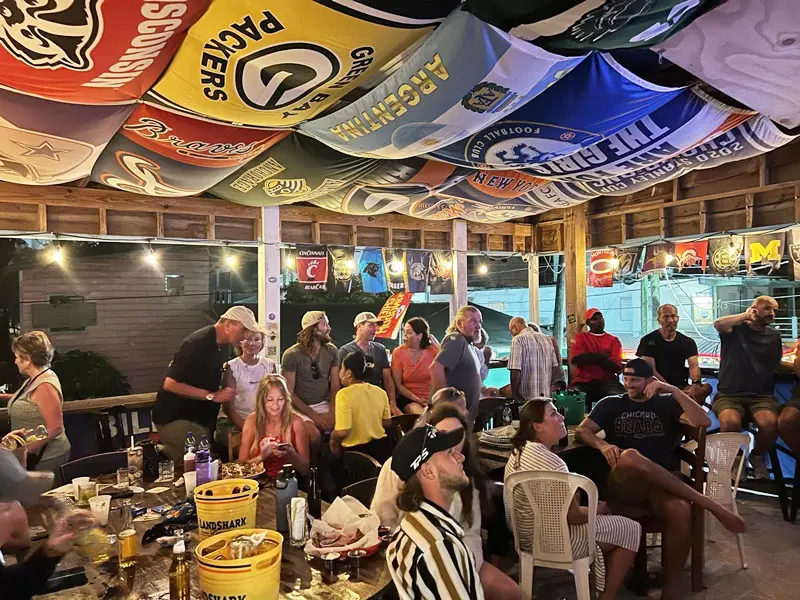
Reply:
x=638, y=368
x=417, y=447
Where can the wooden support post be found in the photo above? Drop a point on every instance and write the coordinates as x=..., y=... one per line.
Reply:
x=353, y=237
x=269, y=280
x=575, y=269
x=315, y=233
x=749, y=199
x=485, y=245
x=211, y=225
x=533, y=287
x=422, y=238
x=458, y=239
x=763, y=170
x=103, y=221
x=662, y=225
x=41, y=217
x=389, y=236
x=703, y=217
x=623, y=225
x=159, y=224
x=797, y=204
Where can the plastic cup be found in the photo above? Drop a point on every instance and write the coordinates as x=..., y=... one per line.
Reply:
x=75, y=483
x=86, y=491
x=214, y=470
x=99, y=506
x=190, y=481
x=122, y=478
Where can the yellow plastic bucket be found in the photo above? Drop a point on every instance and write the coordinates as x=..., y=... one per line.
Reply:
x=254, y=578
x=225, y=505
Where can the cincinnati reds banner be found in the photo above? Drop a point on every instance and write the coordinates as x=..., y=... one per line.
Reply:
x=295, y=169
x=688, y=120
x=658, y=256
x=769, y=79
x=417, y=266
x=281, y=63
x=601, y=268
x=724, y=253
x=560, y=120
x=465, y=76
x=312, y=268
x=589, y=24
x=764, y=250
x=373, y=271
x=392, y=313
x=691, y=255
x=159, y=153
x=90, y=51
x=45, y=143
x=342, y=265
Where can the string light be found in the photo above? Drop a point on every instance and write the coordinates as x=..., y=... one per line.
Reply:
x=350, y=264
x=290, y=262
x=151, y=258
x=670, y=258
x=395, y=267
x=615, y=263
x=483, y=269
x=57, y=255
x=231, y=261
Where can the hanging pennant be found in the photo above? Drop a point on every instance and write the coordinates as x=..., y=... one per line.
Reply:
x=628, y=260
x=658, y=256
x=342, y=264
x=418, y=265
x=724, y=254
x=392, y=315
x=441, y=273
x=601, y=268
x=312, y=268
x=764, y=249
x=373, y=272
x=794, y=251
x=395, y=263
x=691, y=255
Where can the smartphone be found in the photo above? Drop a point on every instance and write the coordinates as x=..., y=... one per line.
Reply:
x=37, y=533
x=284, y=446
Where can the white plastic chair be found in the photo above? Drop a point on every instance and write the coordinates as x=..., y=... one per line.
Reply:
x=550, y=494
x=721, y=452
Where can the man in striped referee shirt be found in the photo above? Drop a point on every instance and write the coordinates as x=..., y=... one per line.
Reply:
x=428, y=558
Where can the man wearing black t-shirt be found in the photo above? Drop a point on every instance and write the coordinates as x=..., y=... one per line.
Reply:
x=190, y=396
x=669, y=351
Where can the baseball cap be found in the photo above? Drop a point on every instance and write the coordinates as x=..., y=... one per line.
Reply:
x=418, y=445
x=638, y=368
x=590, y=313
x=245, y=316
x=367, y=316
x=311, y=318
x=18, y=484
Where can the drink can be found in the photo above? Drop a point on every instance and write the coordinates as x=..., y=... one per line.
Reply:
x=127, y=546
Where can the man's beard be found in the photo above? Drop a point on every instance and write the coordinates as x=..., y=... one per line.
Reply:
x=454, y=483
x=323, y=338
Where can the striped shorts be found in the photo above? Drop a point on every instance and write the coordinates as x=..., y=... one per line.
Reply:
x=609, y=529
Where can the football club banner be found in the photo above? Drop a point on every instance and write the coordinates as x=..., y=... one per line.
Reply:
x=395, y=264
x=418, y=264
x=688, y=120
x=342, y=264
x=691, y=255
x=159, y=153
x=628, y=260
x=440, y=277
x=724, y=253
x=601, y=268
x=764, y=250
x=373, y=272
x=47, y=143
x=295, y=169
x=769, y=79
x=242, y=63
x=464, y=77
x=658, y=256
x=560, y=120
x=561, y=25
x=90, y=51
x=312, y=267
x=392, y=313
x=794, y=251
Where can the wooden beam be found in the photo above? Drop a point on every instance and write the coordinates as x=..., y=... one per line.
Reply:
x=797, y=203
x=211, y=223
x=304, y=214
x=703, y=217
x=485, y=241
x=763, y=170
x=662, y=221
x=458, y=239
x=353, y=235
x=41, y=217
x=257, y=229
x=103, y=221
x=315, y=232
x=159, y=224
x=749, y=199
x=422, y=238
x=389, y=237
x=623, y=225
x=575, y=269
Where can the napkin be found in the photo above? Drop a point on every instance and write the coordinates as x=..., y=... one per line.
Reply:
x=345, y=526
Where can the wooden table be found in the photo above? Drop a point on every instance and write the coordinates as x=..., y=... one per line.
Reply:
x=300, y=578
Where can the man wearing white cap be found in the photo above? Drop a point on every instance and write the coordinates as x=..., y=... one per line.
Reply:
x=366, y=324
x=311, y=370
x=190, y=396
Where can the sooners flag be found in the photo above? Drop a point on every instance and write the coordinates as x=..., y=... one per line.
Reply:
x=691, y=255
x=601, y=268
x=392, y=315
x=91, y=51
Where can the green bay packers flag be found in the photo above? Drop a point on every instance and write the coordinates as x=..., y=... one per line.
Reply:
x=764, y=250
x=467, y=75
x=275, y=64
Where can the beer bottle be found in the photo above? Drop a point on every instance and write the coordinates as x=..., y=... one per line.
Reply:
x=127, y=536
x=179, y=576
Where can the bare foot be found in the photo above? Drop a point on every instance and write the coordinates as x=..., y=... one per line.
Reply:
x=730, y=520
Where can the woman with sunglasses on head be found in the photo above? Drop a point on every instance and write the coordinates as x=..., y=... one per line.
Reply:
x=411, y=366
x=274, y=434
x=243, y=375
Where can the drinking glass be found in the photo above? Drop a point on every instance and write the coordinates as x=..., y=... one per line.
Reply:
x=166, y=470
x=135, y=477
x=122, y=478
x=298, y=524
x=75, y=483
x=86, y=491
x=99, y=506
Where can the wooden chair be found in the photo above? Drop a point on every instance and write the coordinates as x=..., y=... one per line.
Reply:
x=363, y=491
x=400, y=425
x=358, y=466
x=651, y=524
x=92, y=466
x=234, y=441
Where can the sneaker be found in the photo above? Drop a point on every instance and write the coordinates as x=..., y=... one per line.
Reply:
x=760, y=471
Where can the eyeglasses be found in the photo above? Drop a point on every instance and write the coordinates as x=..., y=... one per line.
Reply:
x=315, y=370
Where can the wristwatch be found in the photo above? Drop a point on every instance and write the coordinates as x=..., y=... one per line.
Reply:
x=210, y=397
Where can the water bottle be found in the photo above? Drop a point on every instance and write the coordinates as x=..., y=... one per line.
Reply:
x=191, y=444
x=190, y=458
x=203, y=460
x=285, y=490
x=314, y=495
x=507, y=414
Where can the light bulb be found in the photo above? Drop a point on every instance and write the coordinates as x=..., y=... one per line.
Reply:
x=733, y=251
x=483, y=269
x=670, y=258
x=290, y=262
x=231, y=261
x=614, y=263
x=151, y=258
x=395, y=267
x=57, y=254
x=350, y=264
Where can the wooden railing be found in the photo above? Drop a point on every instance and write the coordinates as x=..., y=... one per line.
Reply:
x=131, y=402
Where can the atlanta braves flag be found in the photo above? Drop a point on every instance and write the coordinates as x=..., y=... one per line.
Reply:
x=441, y=273
x=465, y=76
x=658, y=256
x=90, y=51
x=601, y=268
x=392, y=313
x=764, y=250
x=279, y=63
x=691, y=255
x=560, y=120
x=628, y=260
x=160, y=153
x=395, y=262
x=373, y=272
x=312, y=268
x=724, y=253
x=342, y=265
x=45, y=143
x=418, y=265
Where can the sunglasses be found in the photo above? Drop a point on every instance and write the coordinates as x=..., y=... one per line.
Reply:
x=315, y=370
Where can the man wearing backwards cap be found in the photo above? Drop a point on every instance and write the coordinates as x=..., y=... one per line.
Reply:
x=428, y=558
x=311, y=370
x=366, y=324
x=597, y=356
x=642, y=430
x=190, y=396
